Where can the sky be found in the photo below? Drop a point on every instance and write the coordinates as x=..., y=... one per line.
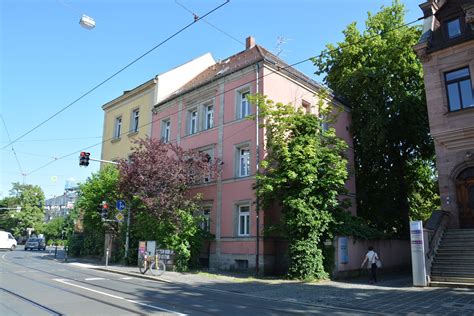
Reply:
x=48, y=61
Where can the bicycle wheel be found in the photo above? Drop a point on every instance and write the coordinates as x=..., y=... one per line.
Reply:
x=142, y=265
x=157, y=268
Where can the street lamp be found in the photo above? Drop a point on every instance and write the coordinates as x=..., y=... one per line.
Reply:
x=87, y=22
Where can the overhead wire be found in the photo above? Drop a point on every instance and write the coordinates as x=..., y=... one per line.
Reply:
x=115, y=74
x=13, y=149
x=209, y=23
x=279, y=69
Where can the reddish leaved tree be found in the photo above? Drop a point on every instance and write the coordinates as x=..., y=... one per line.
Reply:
x=161, y=175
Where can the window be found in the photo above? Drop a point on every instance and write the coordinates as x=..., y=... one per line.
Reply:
x=459, y=89
x=306, y=106
x=241, y=264
x=193, y=121
x=244, y=220
x=454, y=28
x=206, y=223
x=208, y=156
x=135, y=118
x=244, y=162
x=209, y=114
x=166, y=130
x=118, y=127
x=324, y=123
x=244, y=105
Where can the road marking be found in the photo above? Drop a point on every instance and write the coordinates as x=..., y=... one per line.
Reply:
x=94, y=279
x=119, y=297
x=126, y=278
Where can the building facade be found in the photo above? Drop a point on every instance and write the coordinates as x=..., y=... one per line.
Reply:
x=210, y=114
x=128, y=117
x=446, y=50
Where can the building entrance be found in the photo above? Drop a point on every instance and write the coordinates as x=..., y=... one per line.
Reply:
x=465, y=192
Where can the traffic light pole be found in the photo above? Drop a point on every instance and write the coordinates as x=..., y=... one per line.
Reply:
x=127, y=234
x=106, y=161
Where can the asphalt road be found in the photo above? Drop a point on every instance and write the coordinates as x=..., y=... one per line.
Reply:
x=32, y=284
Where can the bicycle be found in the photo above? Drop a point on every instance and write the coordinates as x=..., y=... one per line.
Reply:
x=153, y=263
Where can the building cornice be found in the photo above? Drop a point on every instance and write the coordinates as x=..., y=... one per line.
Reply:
x=457, y=139
x=131, y=93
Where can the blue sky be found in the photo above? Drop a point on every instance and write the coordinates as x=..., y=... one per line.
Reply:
x=48, y=60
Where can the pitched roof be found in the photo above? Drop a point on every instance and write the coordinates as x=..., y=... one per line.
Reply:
x=237, y=62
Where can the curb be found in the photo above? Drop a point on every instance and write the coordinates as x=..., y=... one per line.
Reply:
x=136, y=275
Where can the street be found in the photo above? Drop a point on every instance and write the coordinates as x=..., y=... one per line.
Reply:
x=33, y=284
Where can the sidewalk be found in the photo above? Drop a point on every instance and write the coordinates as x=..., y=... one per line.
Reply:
x=392, y=295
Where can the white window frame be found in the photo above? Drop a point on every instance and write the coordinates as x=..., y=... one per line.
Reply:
x=324, y=124
x=210, y=153
x=209, y=115
x=193, y=121
x=166, y=130
x=118, y=127
x=243, y=217
x=206, y=213
x=243, y=168
x=243, y=106
x=135, y=121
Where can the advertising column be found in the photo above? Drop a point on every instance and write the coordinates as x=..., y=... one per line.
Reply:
x=417, y=253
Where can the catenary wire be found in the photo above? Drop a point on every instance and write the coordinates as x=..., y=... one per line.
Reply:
x=114, y=74
x=209, y=23
x=13, y=149
x=279, y=69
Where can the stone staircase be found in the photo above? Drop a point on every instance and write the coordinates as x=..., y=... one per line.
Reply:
x=453, y=264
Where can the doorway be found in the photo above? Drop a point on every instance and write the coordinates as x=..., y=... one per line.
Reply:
x=465, y=193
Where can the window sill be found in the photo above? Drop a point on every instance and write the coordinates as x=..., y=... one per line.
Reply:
x=200, y=132
x=460, y=112
x=115, y=140
x=131, y=134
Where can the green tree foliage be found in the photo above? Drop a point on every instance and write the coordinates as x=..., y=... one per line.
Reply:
x=30, y=198
x=304, y=173
x=55, y=228
x=378, y=74
x=101, y=186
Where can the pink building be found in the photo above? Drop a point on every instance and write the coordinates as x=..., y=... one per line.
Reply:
x=209, y=114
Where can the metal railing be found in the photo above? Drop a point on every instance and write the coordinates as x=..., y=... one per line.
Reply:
x=434, y=230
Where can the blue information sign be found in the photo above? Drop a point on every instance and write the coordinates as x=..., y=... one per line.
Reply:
x=120, y=205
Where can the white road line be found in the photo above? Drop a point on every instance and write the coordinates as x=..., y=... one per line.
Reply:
x=126, y=278
x=119, y=297
x=94, y=279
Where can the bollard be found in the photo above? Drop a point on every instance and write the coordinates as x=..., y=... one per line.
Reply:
x=107, y=258
x=65, y=256
x=56, y=251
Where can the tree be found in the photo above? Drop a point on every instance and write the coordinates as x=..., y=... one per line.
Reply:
x=55, y=229
x=304, y=173
x=30, y=214
x=378, y=74
x=101, y=186
x=158, y=181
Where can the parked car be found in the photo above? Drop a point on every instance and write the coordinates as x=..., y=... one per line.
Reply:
x=35, y=243
x=7, y=241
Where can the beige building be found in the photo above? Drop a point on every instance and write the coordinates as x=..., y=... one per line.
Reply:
x=447, y=53
x=128, y=117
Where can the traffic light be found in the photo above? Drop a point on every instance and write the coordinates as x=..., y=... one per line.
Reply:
x=84, y=158
x=105, y=210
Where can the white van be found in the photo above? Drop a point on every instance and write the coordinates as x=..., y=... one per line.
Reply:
x=7, y=241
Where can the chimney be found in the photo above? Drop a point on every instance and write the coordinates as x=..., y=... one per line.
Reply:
x=249, y=42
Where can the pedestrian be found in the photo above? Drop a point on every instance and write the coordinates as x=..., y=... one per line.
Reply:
x=371, y=258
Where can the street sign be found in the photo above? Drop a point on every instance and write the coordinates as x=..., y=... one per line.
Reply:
x=120, y=205
x=119, y=217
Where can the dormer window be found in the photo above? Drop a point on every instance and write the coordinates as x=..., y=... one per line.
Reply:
x=454, y=28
